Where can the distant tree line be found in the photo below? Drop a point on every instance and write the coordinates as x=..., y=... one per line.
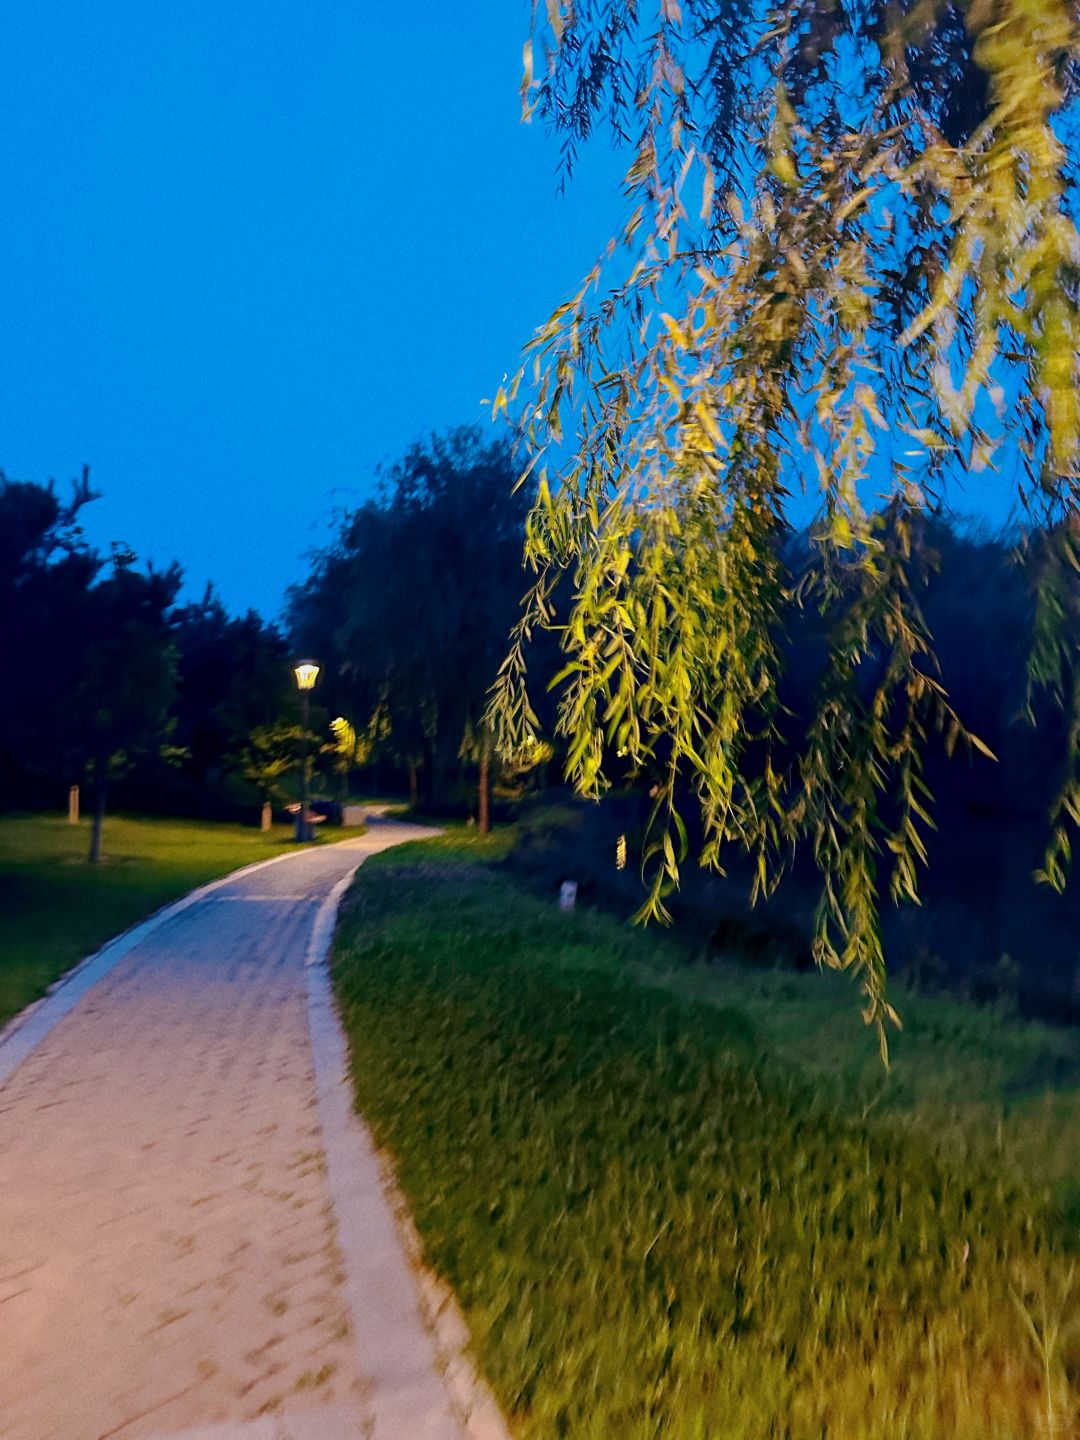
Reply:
x=184, y=709
x=181, y=708
x=112, y=684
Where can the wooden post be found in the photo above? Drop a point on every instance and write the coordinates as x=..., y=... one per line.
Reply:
x=73, y=805
x=267, y=818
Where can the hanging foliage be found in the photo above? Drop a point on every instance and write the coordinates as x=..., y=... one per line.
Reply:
x=849, y=266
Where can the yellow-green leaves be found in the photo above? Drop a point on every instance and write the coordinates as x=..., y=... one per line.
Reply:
x=887, y=295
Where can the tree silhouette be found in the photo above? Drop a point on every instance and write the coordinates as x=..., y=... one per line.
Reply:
x=411, y=605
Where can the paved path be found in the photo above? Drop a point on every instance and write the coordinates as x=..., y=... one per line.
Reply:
x=169, y=1250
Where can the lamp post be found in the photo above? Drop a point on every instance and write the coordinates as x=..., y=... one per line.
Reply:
x=307, y=672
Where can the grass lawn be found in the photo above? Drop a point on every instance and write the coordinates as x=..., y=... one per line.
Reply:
x=55, y=908
x=688, y=1203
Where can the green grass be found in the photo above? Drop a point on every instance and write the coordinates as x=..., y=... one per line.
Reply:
x=55, y=908
x=688, y=1204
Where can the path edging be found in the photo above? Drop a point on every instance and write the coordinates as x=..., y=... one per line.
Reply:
x=422, y=1339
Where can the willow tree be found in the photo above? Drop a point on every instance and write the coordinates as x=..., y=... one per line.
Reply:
x=409, y=606
x=848, y=267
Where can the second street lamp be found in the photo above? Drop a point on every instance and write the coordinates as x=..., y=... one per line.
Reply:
x=307, y=672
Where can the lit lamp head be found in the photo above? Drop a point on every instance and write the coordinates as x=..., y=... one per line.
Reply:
x=307, y=672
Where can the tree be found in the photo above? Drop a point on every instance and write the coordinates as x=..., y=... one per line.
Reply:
x=97, y=665
x=46, y=570
x=348, y=750
x=272, y=753
x=119, y=711
x=410, y=607
x=850, y=264
x=233, y=677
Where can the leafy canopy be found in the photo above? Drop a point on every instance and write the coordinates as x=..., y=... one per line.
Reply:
x=409, y=607
x=849, y=267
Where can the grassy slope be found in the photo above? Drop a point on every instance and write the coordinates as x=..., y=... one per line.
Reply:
x=54, y=908
x=708, y=1213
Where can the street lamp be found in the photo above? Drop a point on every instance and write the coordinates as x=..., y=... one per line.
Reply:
x=307, y=672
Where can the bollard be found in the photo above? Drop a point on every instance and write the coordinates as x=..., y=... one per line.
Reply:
x=73, y=805
x=567, y=894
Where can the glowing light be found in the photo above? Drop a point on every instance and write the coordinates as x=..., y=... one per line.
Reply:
x=307, y=672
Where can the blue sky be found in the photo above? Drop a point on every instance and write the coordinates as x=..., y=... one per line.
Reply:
x=250, y=250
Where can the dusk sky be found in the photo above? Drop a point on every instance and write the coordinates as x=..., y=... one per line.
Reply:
x=250, y=250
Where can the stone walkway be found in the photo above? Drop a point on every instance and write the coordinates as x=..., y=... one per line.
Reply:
x=170, y=1257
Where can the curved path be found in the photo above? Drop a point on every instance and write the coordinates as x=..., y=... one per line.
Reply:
x=172, y=1259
